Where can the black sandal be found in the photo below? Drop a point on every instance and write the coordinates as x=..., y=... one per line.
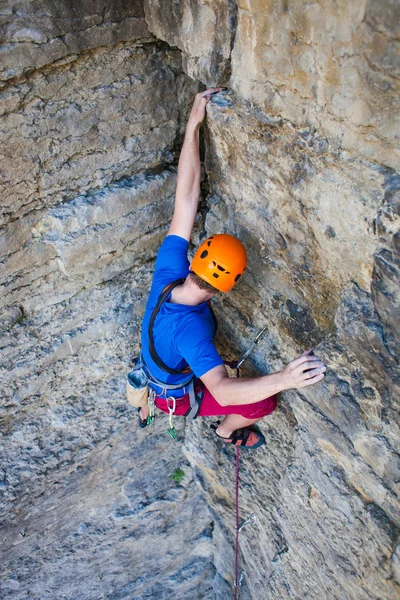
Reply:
x=243, y=437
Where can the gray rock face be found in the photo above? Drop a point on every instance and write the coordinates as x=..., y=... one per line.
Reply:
x=334, y=69
x=300, y=155
x=40, y=33
x=89, y=240
x=204, y=31
x=330, y=470
x=87, y=190
x=86, y=124
x=105, y=529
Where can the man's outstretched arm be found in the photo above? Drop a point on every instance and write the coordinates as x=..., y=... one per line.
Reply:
x=188, y=184
x=305, y=370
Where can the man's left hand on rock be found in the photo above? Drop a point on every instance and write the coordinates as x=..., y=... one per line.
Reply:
x=198, y=112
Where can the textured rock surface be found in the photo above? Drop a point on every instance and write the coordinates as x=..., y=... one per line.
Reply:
x=104, y=116
x=300, y=158
x=84, y=242
x=321, y=228
x=204, y=31
x=40, y=33
x=105, y=529
x=81, y=345
x=334, y=66
x=331, y=66
x=87, y=185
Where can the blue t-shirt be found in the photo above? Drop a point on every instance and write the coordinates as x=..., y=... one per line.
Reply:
x=183, y=335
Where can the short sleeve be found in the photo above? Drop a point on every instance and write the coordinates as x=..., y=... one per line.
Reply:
x=199, y=351
x=172, y=261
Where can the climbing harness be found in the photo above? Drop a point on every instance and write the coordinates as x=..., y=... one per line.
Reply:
x=238, y=528
x=195, y=397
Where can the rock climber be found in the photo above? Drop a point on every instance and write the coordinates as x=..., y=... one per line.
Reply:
x=180, y=345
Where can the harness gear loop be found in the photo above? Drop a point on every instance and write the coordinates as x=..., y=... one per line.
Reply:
x=171, y=431
x=195, y=400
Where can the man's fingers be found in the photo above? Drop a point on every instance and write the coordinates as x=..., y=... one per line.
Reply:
x=308, y=369
x=304, y=370
x=312, y=372
x=206, y=95
x=307, y=366
x=212, y=91
x=312, y=380
x=304, y=358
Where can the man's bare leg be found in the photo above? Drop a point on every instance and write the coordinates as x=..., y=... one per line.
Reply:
x=233, y=422
x=144, y=412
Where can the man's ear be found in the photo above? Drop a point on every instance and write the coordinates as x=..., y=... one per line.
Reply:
x=190, y=267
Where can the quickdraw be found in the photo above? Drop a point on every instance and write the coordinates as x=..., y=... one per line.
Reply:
x=171, y=409
x=256, y=341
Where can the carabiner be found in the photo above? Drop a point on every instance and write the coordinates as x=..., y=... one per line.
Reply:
x=172, y=433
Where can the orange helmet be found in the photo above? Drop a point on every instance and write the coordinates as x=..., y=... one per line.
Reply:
x=221, y=260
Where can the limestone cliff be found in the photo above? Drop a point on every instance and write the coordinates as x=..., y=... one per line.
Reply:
x=302, y=163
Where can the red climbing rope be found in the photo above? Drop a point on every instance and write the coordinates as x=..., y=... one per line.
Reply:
x=236, y=365
x=237, y=515
x=237, y=526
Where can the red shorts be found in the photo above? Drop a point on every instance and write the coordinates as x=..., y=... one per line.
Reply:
x=211, y=408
